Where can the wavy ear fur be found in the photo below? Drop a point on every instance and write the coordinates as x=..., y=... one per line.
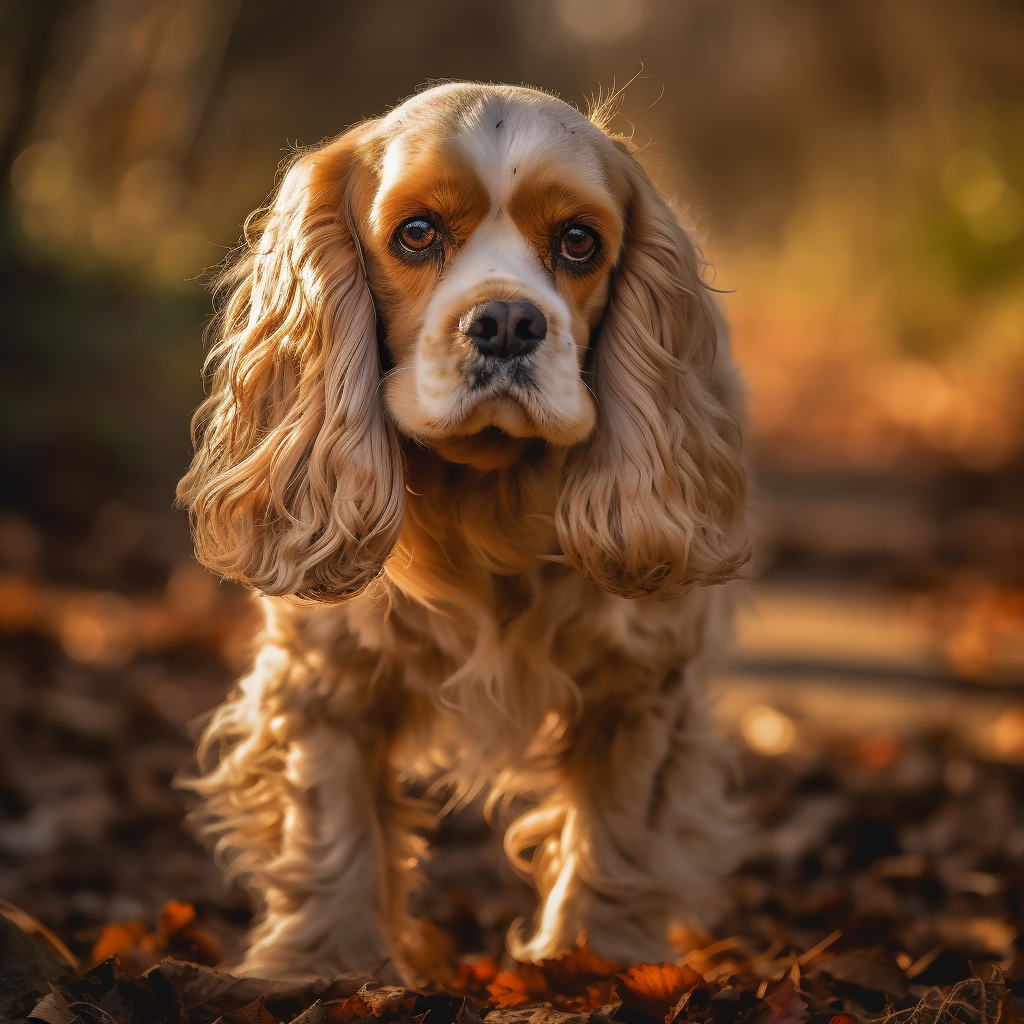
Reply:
x=297, y=485
x=654, y=501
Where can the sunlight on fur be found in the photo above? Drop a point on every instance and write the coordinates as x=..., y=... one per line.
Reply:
x=474, y=435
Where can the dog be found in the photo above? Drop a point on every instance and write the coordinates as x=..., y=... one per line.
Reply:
x=473, y=435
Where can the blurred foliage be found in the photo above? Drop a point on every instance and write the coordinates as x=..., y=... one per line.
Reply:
x=855, y=168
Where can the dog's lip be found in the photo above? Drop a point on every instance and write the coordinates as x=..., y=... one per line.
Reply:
x=486, y=449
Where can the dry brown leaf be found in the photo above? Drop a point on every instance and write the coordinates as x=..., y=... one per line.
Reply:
x=573, y=972
x=782, y=1005
x=387, y=999
x=535, y=1015
x=252, y=1013
x=345, y=1010
x=53, y=1009
x=655, y=989
x=872, y=967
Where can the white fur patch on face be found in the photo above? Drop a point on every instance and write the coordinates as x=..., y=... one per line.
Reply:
x=448, y=388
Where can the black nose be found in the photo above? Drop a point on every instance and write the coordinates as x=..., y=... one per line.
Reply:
x=504, y=329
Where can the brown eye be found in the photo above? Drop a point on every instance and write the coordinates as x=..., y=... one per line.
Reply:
x=578, y=244
x=417, y=235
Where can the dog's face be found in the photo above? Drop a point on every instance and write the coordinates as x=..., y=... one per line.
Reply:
x=490, y=226
x=533, y=292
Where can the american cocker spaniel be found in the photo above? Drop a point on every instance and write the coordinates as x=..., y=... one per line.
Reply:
x=473, y=436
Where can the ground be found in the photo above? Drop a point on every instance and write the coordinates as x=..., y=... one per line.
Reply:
x=887, y=865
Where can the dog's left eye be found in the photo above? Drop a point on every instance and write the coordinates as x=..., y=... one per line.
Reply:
x=417, y=235
x=578, y=243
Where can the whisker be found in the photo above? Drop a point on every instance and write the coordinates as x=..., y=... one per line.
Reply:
x=390, y=373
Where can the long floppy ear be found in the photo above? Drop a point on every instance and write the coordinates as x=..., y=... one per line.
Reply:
x=297, y=486
x=654, y=501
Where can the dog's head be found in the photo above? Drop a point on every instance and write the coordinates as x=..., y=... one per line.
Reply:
x=482, y=270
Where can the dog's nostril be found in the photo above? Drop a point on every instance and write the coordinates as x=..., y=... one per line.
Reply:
x=504, y=329
x=485, y=323
x=530, y=330
x=530, y=323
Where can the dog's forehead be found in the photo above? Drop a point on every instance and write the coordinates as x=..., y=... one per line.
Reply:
x=506, y=135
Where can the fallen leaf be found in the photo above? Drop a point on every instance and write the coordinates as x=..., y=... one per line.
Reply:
x=655, y=989
x=175, y=916
x=782, y=1005
x=53, y=1009
x=874, y=968
x=600, y=993
x=252, y=1013
x=477, y=974
x=574, y=971
x=345, y=1010
x=508, y=989
x=387, y=999
x=535, y=1015
x=121, y=938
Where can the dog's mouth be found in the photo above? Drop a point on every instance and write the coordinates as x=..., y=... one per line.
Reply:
x=489, y=448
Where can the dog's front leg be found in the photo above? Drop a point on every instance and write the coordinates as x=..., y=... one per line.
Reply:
x=306, y=810
x=639, y=830
x=327, y=904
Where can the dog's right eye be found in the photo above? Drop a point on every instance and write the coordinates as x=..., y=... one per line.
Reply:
x=417, y=235
x=578, y=243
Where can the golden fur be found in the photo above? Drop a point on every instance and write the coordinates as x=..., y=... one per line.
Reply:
x=504, y=583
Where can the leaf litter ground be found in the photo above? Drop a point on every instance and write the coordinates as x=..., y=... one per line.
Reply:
x=885, y=878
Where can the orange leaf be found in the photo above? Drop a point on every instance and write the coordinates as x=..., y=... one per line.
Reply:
x=573, y=972
x=535, y=980
x=601, y=993
x=478, y=973
x=507, y=989
x=117, y=939
x=655, y=988
x=176, y=916
x=485, y=969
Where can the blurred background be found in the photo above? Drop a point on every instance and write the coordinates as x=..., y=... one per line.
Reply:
x=854, y=170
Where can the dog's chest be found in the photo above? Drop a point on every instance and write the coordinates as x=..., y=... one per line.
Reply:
x=512, y=596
